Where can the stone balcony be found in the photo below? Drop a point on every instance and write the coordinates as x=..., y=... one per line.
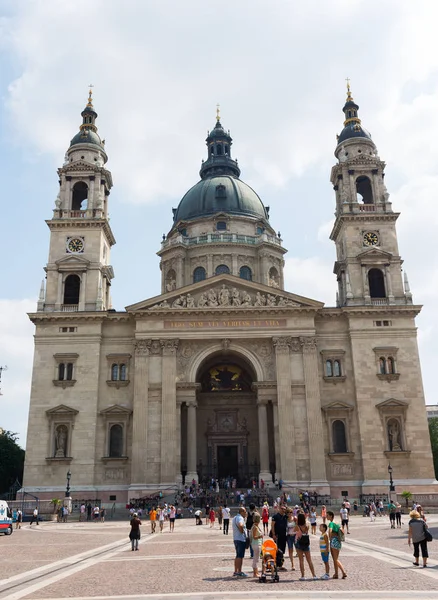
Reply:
x=358, y=208
x=222, y=238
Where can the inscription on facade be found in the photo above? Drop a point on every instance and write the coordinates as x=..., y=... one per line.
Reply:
x=342, y=469
x=225, y=323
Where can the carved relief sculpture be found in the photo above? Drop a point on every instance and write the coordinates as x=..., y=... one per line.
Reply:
x=394, y=435
x=61, y=434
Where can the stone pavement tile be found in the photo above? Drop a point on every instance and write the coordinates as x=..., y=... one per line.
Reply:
x=145, y=572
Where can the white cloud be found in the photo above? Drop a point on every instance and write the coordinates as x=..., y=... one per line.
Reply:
x=16, y=351
x=311, y=277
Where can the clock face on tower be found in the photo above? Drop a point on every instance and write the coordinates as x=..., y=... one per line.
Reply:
x=75, y=245
x=370, y=238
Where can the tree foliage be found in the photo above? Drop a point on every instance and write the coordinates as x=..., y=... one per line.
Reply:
x=433, y=431
x=11, y=460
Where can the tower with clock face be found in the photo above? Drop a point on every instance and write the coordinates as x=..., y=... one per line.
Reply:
x=78, y=271
x=368, y=265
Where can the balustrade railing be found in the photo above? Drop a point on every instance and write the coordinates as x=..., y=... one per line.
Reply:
x=218, y=238
x=69, y=307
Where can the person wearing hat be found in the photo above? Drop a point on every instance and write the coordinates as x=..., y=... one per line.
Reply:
x=134, y=534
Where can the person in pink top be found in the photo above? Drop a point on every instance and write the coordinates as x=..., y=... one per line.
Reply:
x=172, y=517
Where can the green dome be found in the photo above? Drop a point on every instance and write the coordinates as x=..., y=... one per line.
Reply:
x=86, y=136
x=221, y=193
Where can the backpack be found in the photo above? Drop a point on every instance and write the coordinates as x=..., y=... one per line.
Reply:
x=341, y=535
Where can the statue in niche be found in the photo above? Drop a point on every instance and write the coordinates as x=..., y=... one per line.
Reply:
x=171, y=285
x=260, y=300
x=203, y=299
x=246, y=299
x=224, y=296
x=385, y=195
x=61, y=441
x=212, y=298
x=190, y=301
x=58, y=200
x=394, y=435
x=235, y=294
x=273, y=283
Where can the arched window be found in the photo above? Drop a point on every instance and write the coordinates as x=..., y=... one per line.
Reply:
x=114, y=372
x=364, y=190
x=390, y=365
x=61, y=371
x=245, y=273
x=328, y=368
x=116, y=441
x=376, y=283
x=122, y=372
x=222, y=270
x=80, y=193
x=72, y=287
x=382, y=365
x=218, y=149
x=170, y=280
x=198, y=274
x=339, y=437
x=65, y=371
x=69, y=376
x=337, y=368
x=221, y=226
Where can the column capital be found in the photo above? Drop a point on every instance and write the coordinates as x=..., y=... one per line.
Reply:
x=169, y=347
x=282, y=344
x=191, y=403
x=308, y=344
x=142, y=347
x=262, y=402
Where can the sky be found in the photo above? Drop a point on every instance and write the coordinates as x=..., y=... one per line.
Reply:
x=159, y=67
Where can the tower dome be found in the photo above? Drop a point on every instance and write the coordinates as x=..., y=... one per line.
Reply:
x=352, y=124
x=220, y=189
x=87, y=133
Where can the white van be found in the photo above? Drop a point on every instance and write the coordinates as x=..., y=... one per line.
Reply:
x=5, y=518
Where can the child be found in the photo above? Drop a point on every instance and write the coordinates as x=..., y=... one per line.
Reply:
x=265, y=518
x=323, y=513
x=372, y=515
x=324, y=548
x=212, y=517
x=312, y=520
x=268, y=563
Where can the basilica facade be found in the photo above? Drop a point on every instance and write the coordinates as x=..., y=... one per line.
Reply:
x=226, y=373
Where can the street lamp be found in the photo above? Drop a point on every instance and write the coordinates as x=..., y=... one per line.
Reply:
x=391, y=482
x=67, y=491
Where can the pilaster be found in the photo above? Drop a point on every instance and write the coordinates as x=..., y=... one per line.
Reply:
x=168, y=411
x=314, y=417
x=140, y=411
x=285, y=417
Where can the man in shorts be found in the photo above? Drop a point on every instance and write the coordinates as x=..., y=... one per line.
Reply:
x=239, y=537
x=344, y=518
x=153, y=519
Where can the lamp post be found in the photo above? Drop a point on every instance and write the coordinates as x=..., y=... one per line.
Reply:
x=391, y=482
x=67, y=499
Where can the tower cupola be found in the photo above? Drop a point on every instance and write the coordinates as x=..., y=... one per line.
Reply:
x=88, y=130
x=352, y=124
x=219, y=161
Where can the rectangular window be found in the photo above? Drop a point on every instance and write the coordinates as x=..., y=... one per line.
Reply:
x=67, y=329
x=113, y=498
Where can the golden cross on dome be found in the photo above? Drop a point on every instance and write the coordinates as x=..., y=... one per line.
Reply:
x=218, y=113
x=348, y=83
x=90, y=94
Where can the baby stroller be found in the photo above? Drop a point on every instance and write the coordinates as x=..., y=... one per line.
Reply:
x=270, y=557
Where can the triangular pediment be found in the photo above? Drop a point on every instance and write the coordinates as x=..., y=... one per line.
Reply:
x=392, y=403
x=62, y=410
x=337, y=405
x=225, y=292
x=374, y=253
x=72, y=260
x=116, y=409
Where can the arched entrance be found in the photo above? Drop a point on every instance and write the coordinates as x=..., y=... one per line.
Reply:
x=227, y=421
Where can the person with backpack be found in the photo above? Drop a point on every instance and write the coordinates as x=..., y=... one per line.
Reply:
x=336, y=536
x=302, y=545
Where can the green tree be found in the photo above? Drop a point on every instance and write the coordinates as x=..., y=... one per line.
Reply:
x=11, y=460
x=433, y=431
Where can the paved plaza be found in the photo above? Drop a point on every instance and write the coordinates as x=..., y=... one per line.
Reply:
x=94, y=560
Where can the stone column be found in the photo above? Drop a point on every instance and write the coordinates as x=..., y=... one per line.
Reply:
x=209, y=265
x=285, y=417
x=366, y=291
x=263, y=441
x=191, y=442
x=168, y=411
x=388, y=282
x=276, y=441
x=140, y=413
x=178, y=443
x=314, y=417
x=179, y=268
x=234, y=270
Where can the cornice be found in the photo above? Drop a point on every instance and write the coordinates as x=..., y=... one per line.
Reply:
x=228, y=310
x=388, y=309
x=361, y=216
x=82, y=223
x=77, y=317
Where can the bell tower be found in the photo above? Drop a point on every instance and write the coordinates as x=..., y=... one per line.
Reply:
x=368, y=265
x=78, y=270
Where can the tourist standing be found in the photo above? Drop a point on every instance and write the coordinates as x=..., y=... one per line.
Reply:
x=226, y=518
x=279, y=529
x=153, y=519
x=134, y=534
x=302, y=545
x=82, y=510
x=335, y=545
x=391, y=511
x=220, y=517
x=324, y=548
x=161, y=518
x=398, y=514
x=323, y=513
x=172, y=517
x=34, y=516
x=344, y=518
x=265, y=518
x=19, y=519
x=290, y=535
x=212, y=517
x=249, y=524
x=89, y=508
x=256, y=537
x=417, y=533
x=96, y=513
x=312, y=519
x=239, y=538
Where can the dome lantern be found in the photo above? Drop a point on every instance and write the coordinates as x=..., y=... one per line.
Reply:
x=352, y=124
